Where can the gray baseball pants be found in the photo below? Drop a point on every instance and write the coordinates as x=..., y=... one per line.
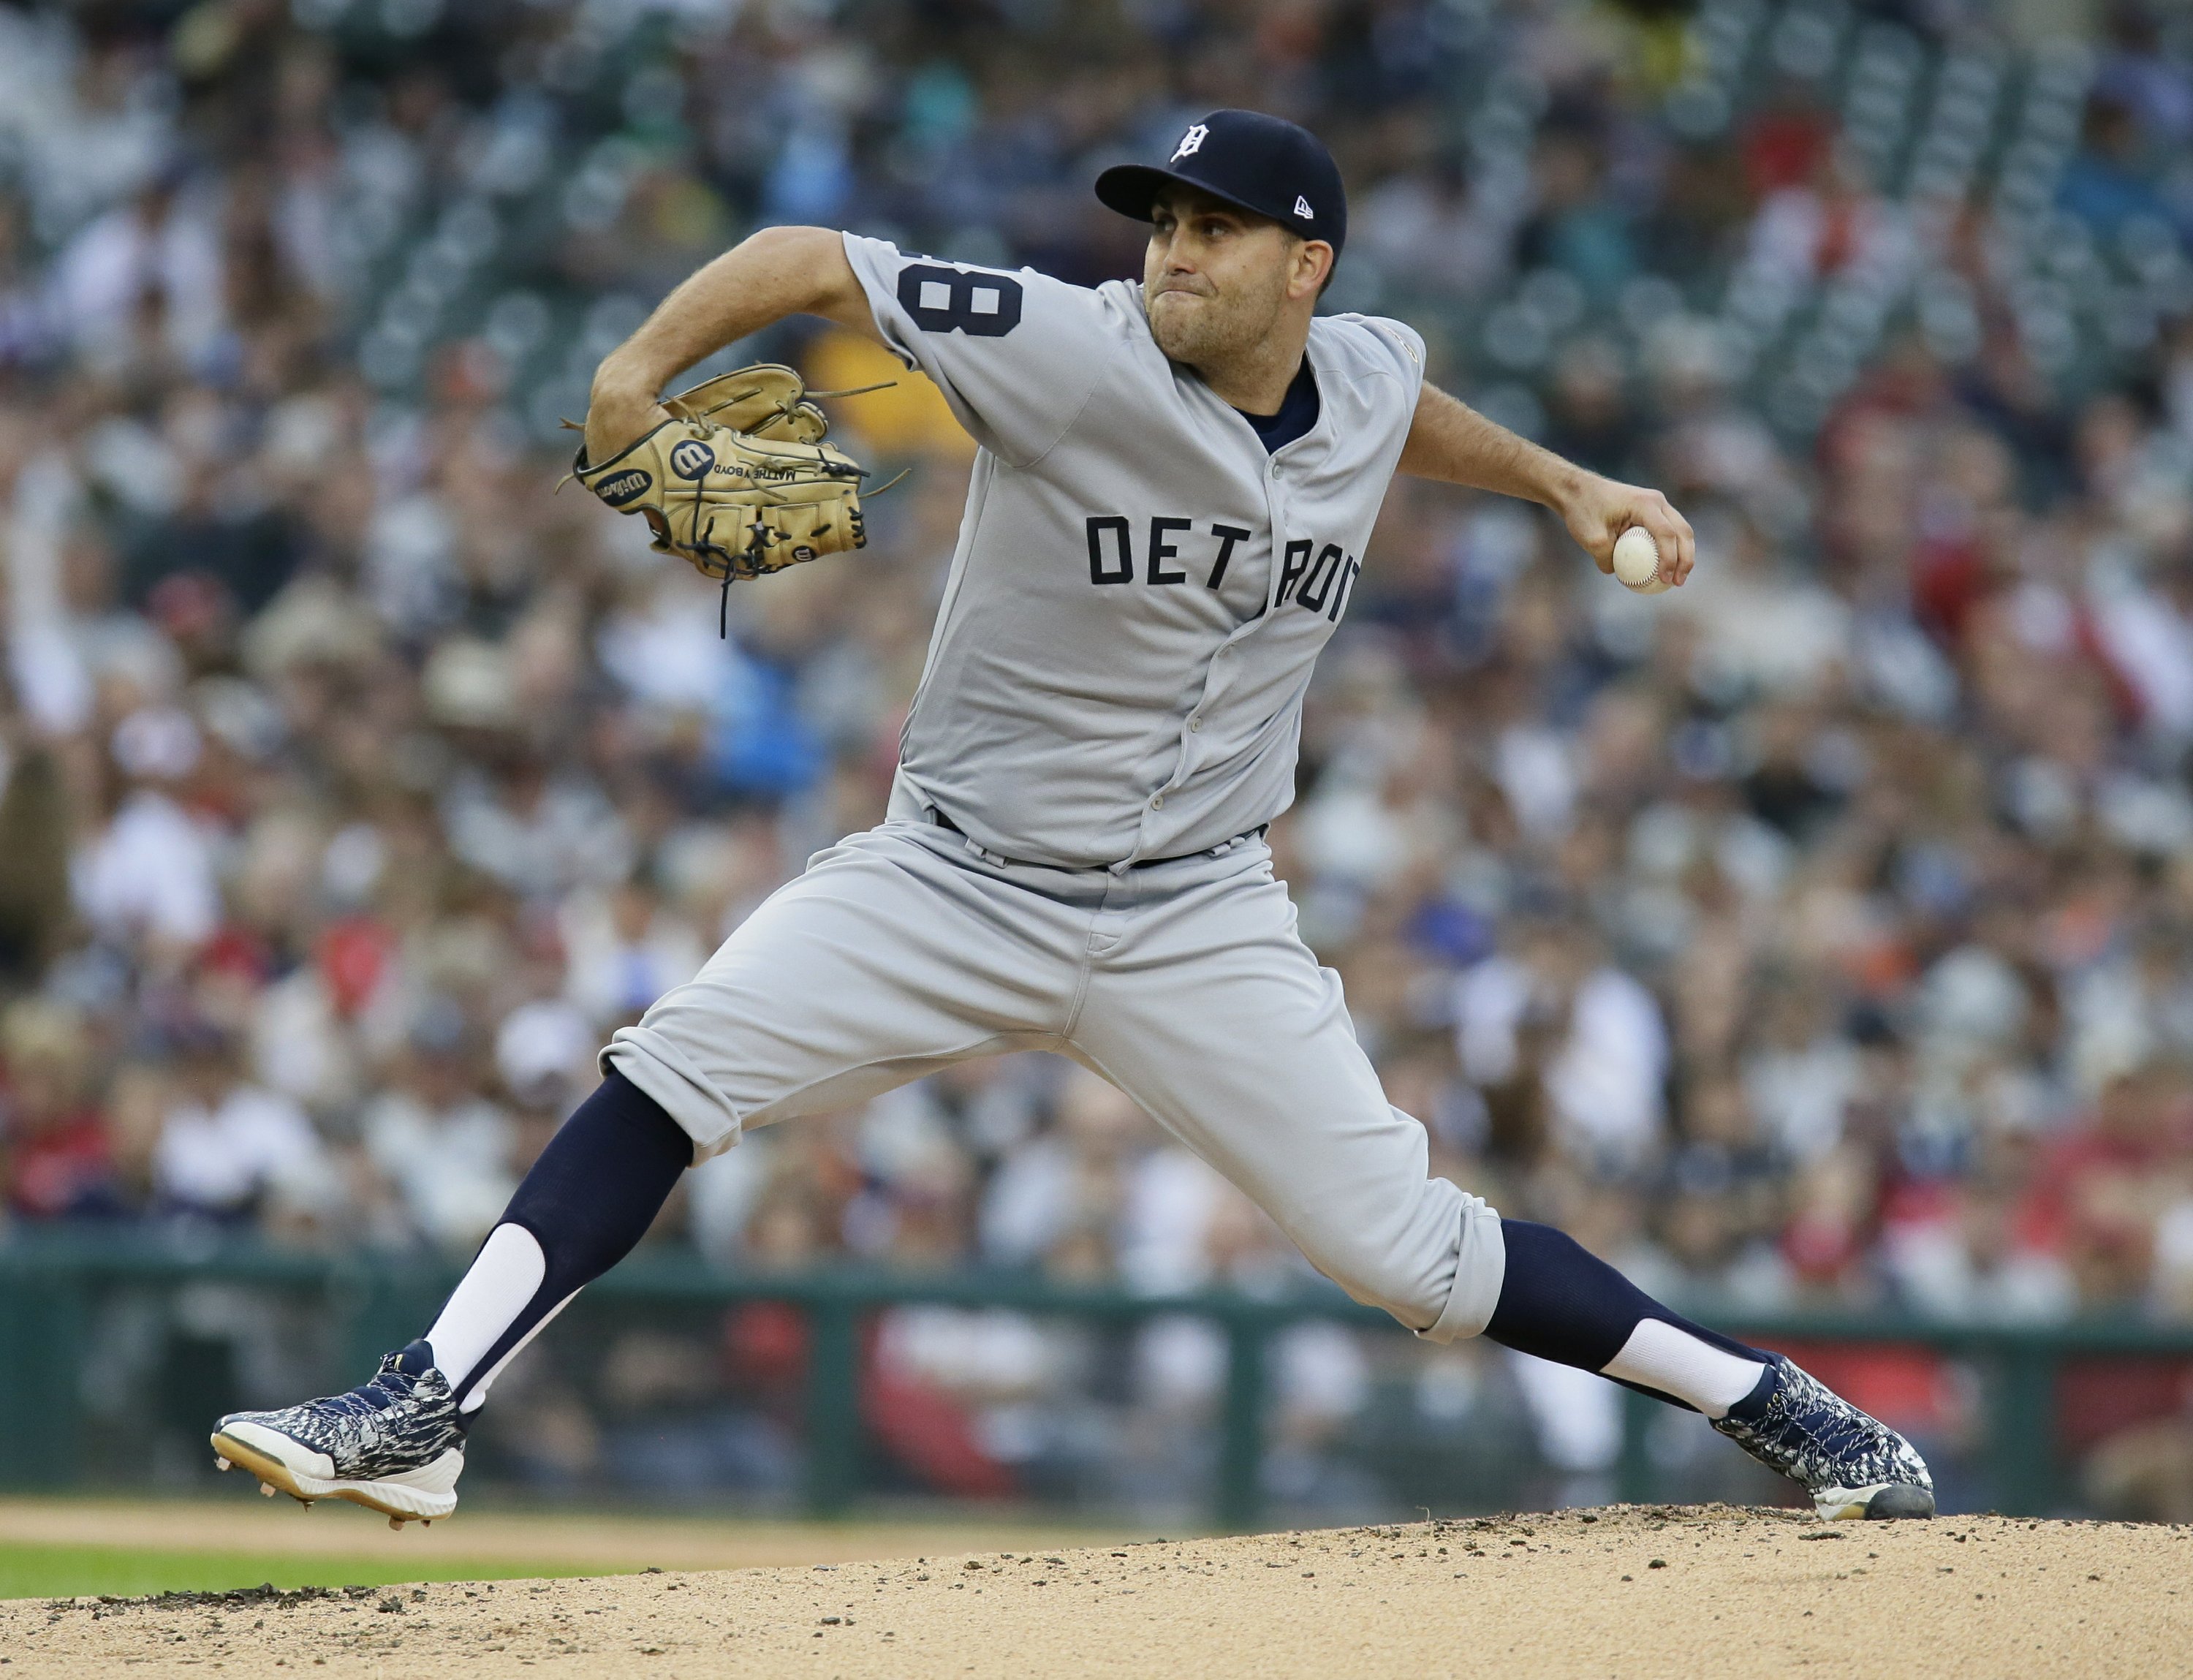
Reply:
x=906, y=948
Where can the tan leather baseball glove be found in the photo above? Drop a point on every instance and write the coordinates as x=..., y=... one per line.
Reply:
x=738, y=482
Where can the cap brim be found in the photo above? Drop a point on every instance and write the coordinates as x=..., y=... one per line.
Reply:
x=1132, y=189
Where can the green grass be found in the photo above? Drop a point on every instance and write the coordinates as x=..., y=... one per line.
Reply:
x=84, y=1571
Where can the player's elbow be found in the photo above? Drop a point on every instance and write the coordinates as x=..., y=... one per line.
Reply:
x=791, y=248
x=809, y=271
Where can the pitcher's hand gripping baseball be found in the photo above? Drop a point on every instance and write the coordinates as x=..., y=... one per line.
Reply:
x=737, y=482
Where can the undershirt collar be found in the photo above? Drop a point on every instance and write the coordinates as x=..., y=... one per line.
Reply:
x=1297, y=413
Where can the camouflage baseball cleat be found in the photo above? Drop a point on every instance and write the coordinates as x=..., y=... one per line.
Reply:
x=1852, y=1465
x=395, y=1445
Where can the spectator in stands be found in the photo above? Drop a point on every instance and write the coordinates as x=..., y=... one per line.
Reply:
x=229, y=1153
x=59, y=1162
x=148, y=875
x=436, y=1135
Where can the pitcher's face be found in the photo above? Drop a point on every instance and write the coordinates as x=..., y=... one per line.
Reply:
x=1215, y=278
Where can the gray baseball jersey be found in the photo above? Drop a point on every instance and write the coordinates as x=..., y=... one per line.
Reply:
x=1140, y=591
x=1116, y=679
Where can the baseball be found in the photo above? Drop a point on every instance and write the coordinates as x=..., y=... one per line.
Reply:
x=1637, y=561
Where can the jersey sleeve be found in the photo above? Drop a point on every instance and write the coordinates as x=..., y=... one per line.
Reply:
x=1398, y=348
x=1016, y=354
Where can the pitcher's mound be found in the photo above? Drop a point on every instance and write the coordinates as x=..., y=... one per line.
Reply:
x=1631, y=1591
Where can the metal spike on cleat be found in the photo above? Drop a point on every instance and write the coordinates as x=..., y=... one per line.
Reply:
x=397, y=1524
x=266, y=1489
x=221, y=1463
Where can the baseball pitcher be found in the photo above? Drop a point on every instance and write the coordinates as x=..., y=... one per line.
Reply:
x=1167, y=518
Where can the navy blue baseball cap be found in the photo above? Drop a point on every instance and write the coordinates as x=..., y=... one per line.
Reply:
x=1267, y=164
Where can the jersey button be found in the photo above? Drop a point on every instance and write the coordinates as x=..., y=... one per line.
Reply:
x=1195, y=725
x=1157, y=802
x=1275, y=469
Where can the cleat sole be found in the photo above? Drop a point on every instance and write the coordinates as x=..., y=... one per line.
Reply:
x=276, y=1476
x=1882, y=1502
x=1899, y=1504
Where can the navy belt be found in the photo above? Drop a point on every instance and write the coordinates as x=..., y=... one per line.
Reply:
x=946, y=823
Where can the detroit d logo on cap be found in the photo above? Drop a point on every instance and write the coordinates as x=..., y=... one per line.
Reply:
x=692, y=459
x=1191, y=143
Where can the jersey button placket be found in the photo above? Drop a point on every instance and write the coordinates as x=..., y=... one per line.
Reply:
x=1276, y=508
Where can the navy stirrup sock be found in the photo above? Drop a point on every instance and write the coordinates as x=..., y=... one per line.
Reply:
x=584, y=1205
x=601, y=1181
x=1560, y=1302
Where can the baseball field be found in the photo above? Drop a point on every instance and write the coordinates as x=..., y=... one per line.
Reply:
x=1628, y=1590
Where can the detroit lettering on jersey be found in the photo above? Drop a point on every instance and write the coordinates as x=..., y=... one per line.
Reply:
x=1140, y=591
x=1303, y=582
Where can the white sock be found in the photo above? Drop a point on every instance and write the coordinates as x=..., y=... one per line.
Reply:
x=502, y=1281
x=1659, y=1355
x=476, y=1396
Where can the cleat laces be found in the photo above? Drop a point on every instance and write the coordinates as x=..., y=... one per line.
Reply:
x=1819, y=1440
x=404, y=1418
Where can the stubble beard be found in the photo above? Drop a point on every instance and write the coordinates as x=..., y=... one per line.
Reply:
x=1212, y=331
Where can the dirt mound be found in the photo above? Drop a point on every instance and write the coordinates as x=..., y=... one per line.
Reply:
x=1716, y=1591
x=562, y=1541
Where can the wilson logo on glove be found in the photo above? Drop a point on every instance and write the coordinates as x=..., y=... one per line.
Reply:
x=620, y=488
x=692, y=460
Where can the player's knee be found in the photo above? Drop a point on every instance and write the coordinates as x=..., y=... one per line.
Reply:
x=1413, y=1285
x=1439, y=1276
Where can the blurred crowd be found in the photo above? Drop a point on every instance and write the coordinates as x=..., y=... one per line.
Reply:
x=1822, y=934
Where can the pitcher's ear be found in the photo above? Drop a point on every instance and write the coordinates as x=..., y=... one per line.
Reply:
x=1306, y=253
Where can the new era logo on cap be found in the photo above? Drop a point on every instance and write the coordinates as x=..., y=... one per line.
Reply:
x=1303, y=209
